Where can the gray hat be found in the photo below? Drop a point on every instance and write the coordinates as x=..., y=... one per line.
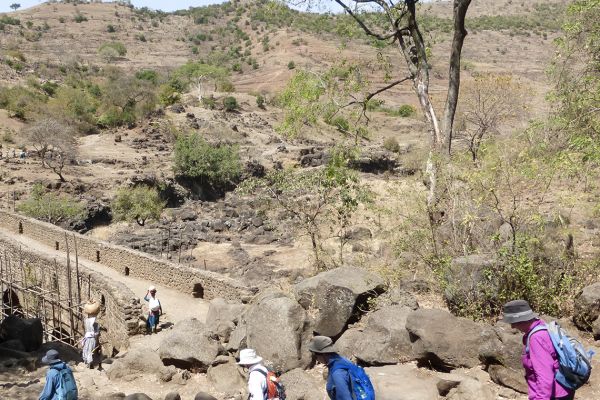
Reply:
x=518, y=311
x=321, y=344
x=51, y=357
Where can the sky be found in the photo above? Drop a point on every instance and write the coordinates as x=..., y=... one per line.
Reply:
x=165, y=5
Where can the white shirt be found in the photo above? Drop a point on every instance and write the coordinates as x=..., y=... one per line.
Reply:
x=257, y=383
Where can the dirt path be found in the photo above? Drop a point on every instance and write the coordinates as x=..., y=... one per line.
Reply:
x=176, y=305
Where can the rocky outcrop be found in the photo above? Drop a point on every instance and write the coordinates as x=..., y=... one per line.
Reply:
x=335, y=295
x=223, y=317
x=587, y=309
x=135, y=363
x=276, y=327
x=27, y=331
x=444, y=341
x=383, y=340
x=226, y=377
x=189, y=346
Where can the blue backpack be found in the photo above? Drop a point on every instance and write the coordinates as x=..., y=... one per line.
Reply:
x=360, y=384
x=67, y=389
x=575, y=363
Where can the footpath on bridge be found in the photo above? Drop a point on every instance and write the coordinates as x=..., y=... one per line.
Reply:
x=176, y=305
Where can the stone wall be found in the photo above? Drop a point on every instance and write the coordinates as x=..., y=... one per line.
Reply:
x=196, y=282
x=121, y=309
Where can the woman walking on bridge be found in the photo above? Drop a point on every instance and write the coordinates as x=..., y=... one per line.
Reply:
x=92, y=331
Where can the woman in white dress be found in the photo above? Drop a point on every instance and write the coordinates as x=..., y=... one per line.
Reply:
x=154, y=310
x=92, y=331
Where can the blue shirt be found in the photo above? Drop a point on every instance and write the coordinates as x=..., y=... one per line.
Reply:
x=338, y=382
x=52, y=381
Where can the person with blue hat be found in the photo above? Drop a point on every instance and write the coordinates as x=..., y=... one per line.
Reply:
x=60, y=382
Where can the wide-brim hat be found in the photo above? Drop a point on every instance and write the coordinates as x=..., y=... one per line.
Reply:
x=517, y=311
x=91, y=307
x=249, y=357
x=51, y=357
x=321, y=344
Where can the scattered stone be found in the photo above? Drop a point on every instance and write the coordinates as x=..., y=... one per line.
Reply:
x=299, y=385
x=173, y=396
x=226, y=378
x=402, y=382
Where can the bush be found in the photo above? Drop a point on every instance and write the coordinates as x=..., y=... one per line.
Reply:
x=260, y=101
x=291, y=65
x=147, y=75
x=230, y=103
x=138, y=204
x=391, y=144
x=213, y=165
x=50, y=207
x=118, y=47
x=341, y=124
x=209, y=102
x=111, y=29
x=79, y=18
x=406, y=111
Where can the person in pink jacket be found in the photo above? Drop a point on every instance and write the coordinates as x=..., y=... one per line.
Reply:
x=541, y=361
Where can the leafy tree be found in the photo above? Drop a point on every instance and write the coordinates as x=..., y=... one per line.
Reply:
x=230, y=103
x=319, y=199
x=138, y=204
x=54, y=143
x=260, y=101
x=50, y=207
x=215, y=165
x=15, y=6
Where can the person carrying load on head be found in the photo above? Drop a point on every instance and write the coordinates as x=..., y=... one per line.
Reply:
x=90, y=341
x=154, y=310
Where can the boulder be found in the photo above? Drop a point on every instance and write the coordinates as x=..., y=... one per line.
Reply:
x=444, y=341
x=471, y=389
x=237, y=338
x=190, y=345
x=336, y=295
x=138, y=396
x=587, y=309
x=500, y=351
x=28, y=331
x=204, y=396
x=507, y=377
x=383, y=340
x=300, y=385
x=133, y=364
x=402, y=382
x=358, y=233
x=464, y=278
x=223, y=317
x=173, y=396
x=276, y=327
x=226, y=378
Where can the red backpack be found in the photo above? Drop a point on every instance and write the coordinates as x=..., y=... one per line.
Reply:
x=275, y=389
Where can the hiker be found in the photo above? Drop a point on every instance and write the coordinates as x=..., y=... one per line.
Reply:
x=257, y=374
x=60, y=383
x=345, y=381
x=154, y=310
x=539, y=357
x=90, y=342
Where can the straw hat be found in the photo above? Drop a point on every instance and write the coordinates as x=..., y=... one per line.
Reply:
x=92, y=307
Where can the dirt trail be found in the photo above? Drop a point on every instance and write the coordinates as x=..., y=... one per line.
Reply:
x=176, y=305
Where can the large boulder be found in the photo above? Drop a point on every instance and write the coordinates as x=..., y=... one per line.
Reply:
x=135, y=363
x=444, y=341
x=500, y=351
x=223, y=317
x=189, y=346
x=226, y=378
x=383, y=340
x=301, y=385
x=276, y=327
x=464, y=278
x=587, y=309
x=138, y=396
x=28, y=331
x=402, y=382
x=336, y=295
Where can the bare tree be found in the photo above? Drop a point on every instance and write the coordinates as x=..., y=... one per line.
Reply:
x=54, y=143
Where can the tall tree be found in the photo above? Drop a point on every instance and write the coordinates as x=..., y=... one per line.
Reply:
x=15, y=6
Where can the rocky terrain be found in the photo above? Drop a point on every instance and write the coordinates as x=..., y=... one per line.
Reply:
x=385, y=313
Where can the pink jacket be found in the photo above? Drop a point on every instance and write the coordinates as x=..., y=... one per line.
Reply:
x=540, y=366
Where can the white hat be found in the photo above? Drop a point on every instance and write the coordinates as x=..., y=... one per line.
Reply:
x=249, y=357
x=152, y=288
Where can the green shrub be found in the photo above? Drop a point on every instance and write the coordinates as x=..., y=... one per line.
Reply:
x=62, y=20
x=147, y=75
x=340, y=123
x=230, y=103
x=79, y=18
x=237, y=67
x=141, y=37
x=49, y=88
x=213, y=165
x=118, y=47
x=111, y=29
x=139, y=204
x=406, y=110
x=391, y=144
x=291, y=65
x=50, y=207
x=260, y=101
x=209, y=102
